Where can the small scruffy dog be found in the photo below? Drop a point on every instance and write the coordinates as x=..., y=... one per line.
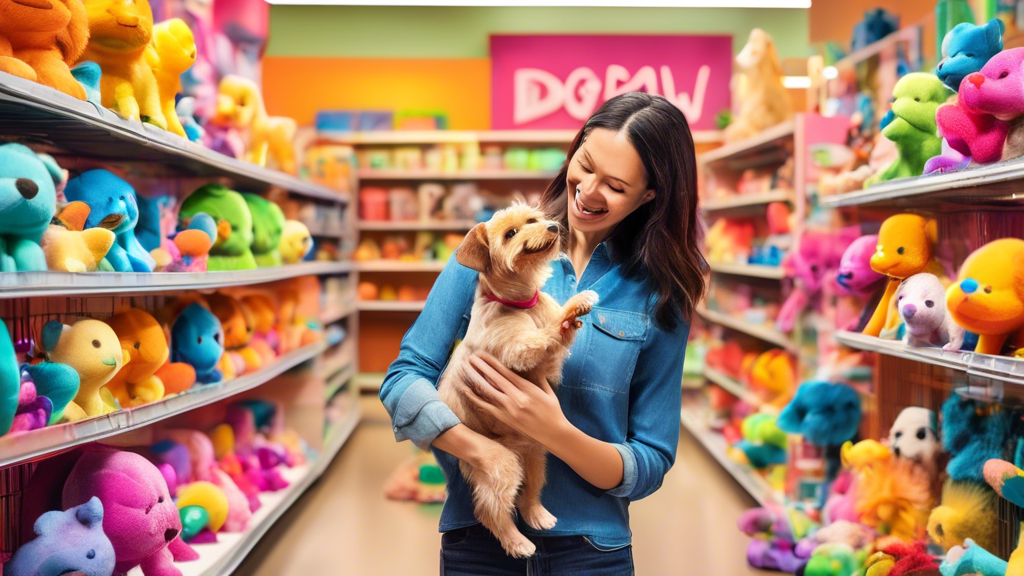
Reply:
x=522, y=327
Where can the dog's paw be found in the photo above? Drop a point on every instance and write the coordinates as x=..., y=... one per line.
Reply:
x=538, y=518
x=518, y=546
x=581, y=304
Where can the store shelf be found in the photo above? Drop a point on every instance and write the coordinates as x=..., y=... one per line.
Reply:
x=400, y=266
x=763, y=140
x=716, y=446
x=411, y=137
x=731, y=386
x=1002, y=368
x=413, y=225
x=337, y=382
x=339, y=313
x=54, y=283
x=909, y=34
x=747, y=200
x=369, y=381
x=224, y=556
x=371, y=174
x=751, y=270
x=15, y=448
x=389, y=306
x=995, y=184
x=769, y=335
x=38, y=112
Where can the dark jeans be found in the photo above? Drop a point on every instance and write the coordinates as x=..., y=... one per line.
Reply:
x=474, y=551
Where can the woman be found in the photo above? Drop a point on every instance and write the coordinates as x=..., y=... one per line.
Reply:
x=627, y=201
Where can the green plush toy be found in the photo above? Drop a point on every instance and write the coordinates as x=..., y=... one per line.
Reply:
x=835, y=559
x=267, y=227
x=916, y=97
x=233, y=248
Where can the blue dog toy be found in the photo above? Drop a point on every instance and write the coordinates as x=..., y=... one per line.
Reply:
x=973, y=435
x=877, y=24
x=28, y=201
x=197, y=339
x=68, y=541
x=114, y=206
x=966, y=48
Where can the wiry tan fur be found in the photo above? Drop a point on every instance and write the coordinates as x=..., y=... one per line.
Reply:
x=761, y=100
x=529, y=341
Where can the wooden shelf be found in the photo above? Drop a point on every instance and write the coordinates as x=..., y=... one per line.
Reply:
x=909, y=34
x=738, y=201
x=400, y=266
x=371, y=174
x=731, y=386
x=389, y=306
x=765, y=139
x=770, y=335
x=414, y=225
x=715, y=444
x=750, y=270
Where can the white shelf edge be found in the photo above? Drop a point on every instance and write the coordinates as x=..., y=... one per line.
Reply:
x=769, y=335
x=369, y=381
x=746, y=200
x=400, y=266
x=413, y=225
x=751, y=270
x=336, y=382
x=731, y=386
x=777, y=132
x=338, y=314
x=406, y=137
x=56, y=283
x=389, y=306
x=715, y=445
x=370, y=174
x=16, y=448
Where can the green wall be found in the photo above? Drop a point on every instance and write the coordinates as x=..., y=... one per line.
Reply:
x=460, y=32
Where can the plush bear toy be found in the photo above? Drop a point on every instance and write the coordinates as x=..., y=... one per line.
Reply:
x=66, y=542
x=268, y=224
x=28, y=199
x=916, y=97
x=966, y=48
x=172, y=51
x=914, y=436
x=240, y=358
x=233, y=248
x=988, y=297
x=72, y=248
x=855, y=275
x=38, y=41
x=295, y=242
x=968, y=510
x=197, y=339
x=93, y=350
x=143, y=338
x=921, y=302
x=111, y=200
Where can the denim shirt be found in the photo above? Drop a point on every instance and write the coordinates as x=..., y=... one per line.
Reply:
x=620, y=384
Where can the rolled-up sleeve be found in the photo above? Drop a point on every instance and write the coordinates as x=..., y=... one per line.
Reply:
x=655, y=398
x=409, y=390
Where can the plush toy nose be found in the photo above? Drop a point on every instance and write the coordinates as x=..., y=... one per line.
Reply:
x=909, y=310
x=943, y=61
x=969, y=286
x=976, y=79
x=27, y=188
x=170, y=534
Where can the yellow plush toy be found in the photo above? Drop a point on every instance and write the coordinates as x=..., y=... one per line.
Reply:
x=905, y=243
x=967, y=511
x=988, y=297
x=761, y=101
x=296, y=242
x=270, y=137
x=143, y=340
x=70, y=248
x=93, y=350
x=119, y=36
x=171, y=52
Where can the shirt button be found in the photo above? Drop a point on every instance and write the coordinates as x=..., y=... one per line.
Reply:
x=621, y=333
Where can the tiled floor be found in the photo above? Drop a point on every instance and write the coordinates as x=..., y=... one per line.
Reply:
x=343, y=525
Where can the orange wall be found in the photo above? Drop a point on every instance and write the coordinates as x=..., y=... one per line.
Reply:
x=299, y=87
x=833, y=20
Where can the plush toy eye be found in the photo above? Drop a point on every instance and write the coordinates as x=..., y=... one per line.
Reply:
x=95, y=343
x=969, y=55
x=900, y=298
x=900, y=250
x=137, y=344
x=199, y=340
x=898, y=435
x=160, y=500
x=122, y=198
x=988, y=289
x=216, y=337
x=90, y=554
x=510, y=234
x=940, y=531
x=814, y=269
x=1004, y=74
x=929, y=303
x=922, y=433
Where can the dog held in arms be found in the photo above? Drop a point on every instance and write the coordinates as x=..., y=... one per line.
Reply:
x=530, y=334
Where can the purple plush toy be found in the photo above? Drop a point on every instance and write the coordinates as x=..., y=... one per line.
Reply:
x=775, y=532
x=66, y=542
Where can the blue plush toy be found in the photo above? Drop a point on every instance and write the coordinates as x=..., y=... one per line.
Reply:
x=113, y=205
x=66, y=542
x=197, y=339
x=10, y=380
x=148, y=231
x=973, y=433
x=966, y=48
x=972, y=559
x=88, y=75
x=56, y=382
x=877, y=24
x=28, y=201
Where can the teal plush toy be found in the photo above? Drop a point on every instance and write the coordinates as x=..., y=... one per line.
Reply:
x=916, y=98
x=233, y=248
x=28, y=200
x=57, y=382
x=966, y=48
x=267, y=228
x=113, y=206
x=10, y=380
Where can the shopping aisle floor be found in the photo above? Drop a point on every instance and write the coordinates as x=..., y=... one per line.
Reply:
x=344, y=526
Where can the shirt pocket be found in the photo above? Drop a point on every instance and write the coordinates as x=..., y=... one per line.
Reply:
x=615, y=343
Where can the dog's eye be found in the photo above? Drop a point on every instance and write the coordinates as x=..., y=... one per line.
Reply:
x=531, y=221
x=510, y=234
x=922, y=433
x=898, y=434
x=929, y=303
x=900, y=250
x=95, y=343
x=988, y=289
x=1004, y=74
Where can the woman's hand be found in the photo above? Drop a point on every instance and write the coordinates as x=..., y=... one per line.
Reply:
x=532, y=409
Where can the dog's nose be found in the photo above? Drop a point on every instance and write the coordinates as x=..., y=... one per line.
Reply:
x=170, y=534
x=27, y=188
x=976, y=79
x=969, y=286
x=909, y=310
x=552, y=228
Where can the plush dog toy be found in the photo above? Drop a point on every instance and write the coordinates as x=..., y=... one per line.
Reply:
x=233, y=247
x=120, y=34
x=921, y=302
x=813, y=261
x=93, y=350
x=855, y=275
x=968, y=510
x=70, y=247
x=270, y=137
x=268, y=224
x=140, y=519
x=66, y=542
x=143, y=338
x=966, y=48
x=28, y=199
x=40, y=40
x=171, y=52
x=988, y=297
x=904, y=248
x=761, y=98
x=110, y=200
x=914, y=436
x=916, y=98
x=197, y=339
x=295, y=242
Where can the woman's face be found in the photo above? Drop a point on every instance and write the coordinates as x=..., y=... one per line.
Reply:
x=606, y=181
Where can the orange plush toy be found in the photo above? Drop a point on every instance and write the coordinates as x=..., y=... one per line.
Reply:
x=773, y=374
x=240, y=357
x=261, y=308
x=144, y=340
x=120, y=34
x=988, y=297
x=40, y=39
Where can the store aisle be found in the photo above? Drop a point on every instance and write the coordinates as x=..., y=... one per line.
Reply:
x=344, y=525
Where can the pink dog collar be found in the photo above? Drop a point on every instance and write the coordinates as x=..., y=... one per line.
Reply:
x=523, y=304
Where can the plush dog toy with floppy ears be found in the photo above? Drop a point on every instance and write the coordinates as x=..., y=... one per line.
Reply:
x=762, y=99
x=28, y=200
x=39, y=40
x=988, y=297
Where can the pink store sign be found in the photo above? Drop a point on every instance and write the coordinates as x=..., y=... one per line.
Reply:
x=557, y=82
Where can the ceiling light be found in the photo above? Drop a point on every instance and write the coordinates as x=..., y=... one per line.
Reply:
x=830, y=73
x=796, y=81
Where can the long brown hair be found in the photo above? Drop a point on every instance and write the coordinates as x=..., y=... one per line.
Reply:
x=662, y=239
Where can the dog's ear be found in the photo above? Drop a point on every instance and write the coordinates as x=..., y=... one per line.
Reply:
x=475, y=251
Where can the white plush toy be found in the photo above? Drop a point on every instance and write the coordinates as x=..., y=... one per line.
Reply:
x=914, y=436
x=921, y=300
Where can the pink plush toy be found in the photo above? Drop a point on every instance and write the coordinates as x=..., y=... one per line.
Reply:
x=204, y=469
x=990, y=100
x=855, y=275
x=140, y=518
x=817, y=255
x=260, y=472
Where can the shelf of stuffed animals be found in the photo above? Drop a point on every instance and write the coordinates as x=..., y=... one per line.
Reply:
x=749, y=270
x=401, y=266
x=41, y=113
x=230, y=549
x=415, y=225
x=374, y=174
x=56, y=283
x=414, y=137
x=761, y=332
x=26, y=446
x=338, y=312
x=767, y=140
x=390, y=306
x=739, y=202
x=338, y=381
x=731, y=386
